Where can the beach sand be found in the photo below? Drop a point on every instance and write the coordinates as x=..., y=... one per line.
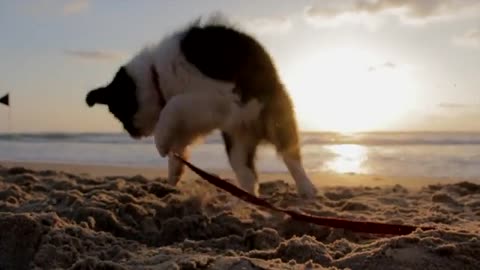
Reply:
x=60, y=216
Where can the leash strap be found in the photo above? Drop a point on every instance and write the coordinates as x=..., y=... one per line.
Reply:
x=356, y=226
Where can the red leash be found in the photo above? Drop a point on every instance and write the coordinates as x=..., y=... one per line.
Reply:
x=356, y=226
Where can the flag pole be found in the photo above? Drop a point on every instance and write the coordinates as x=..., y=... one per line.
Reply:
x=9, y=119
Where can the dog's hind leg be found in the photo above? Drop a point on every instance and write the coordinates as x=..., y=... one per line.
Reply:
x=283, y=133
x=292, y=158
x=241, y=154
x=293, y=161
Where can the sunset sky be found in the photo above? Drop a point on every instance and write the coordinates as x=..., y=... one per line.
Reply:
x=354, y=65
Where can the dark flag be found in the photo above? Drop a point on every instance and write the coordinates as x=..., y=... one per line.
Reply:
x=5, y=100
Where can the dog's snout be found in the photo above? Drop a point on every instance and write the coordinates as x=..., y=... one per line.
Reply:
x=99, y=95
x=132, y=131
x=90, y=99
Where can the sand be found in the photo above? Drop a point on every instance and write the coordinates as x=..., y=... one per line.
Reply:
x=51, y=219
x=319, y=178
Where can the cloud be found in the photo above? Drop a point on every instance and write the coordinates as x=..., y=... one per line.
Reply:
x=371, y=11
x=335, y=13
x=258, y=25
x=95, y=54
x=389, y=64
x=470, y=39
x=457, y=106
x=75, y=6
x=271, y=25
x=415, y=9
x=386, y=65
x=56, y=7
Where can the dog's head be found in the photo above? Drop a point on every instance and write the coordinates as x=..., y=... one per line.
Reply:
x=130, y=100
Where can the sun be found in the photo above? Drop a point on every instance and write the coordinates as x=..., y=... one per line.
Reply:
x=349, y=90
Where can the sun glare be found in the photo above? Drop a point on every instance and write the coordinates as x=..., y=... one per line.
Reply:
x=349, y=158
x=349, y=90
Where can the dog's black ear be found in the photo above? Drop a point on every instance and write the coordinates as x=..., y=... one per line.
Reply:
x=99, y=95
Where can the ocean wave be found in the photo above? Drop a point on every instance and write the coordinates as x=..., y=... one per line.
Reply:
x=69, y=137
x=102, y=138
x=400, y=138
x=320, y=138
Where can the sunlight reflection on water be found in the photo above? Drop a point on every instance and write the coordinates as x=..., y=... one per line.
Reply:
x=348, y=158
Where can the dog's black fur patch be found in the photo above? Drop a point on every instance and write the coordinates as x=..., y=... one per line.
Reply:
x=226, y=54
x=120, y=97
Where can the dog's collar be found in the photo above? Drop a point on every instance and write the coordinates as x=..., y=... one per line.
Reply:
x=156, y=84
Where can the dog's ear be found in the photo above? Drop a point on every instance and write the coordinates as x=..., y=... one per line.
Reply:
x=99, y=95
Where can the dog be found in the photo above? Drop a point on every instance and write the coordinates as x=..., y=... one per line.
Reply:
x=206, y=77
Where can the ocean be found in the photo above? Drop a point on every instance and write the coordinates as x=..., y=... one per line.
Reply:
x=404, y=154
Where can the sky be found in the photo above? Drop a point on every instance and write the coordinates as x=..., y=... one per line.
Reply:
x=353, y=65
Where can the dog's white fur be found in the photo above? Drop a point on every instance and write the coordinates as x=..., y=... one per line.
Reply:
x=195, y=106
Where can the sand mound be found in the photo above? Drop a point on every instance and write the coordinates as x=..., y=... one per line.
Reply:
x=51, y=220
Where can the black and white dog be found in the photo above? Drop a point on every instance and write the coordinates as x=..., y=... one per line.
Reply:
x=206, y=77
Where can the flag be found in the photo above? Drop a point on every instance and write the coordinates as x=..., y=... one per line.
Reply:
x=5, y=100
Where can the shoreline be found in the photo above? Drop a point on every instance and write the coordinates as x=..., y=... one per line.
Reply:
x=320, y=179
